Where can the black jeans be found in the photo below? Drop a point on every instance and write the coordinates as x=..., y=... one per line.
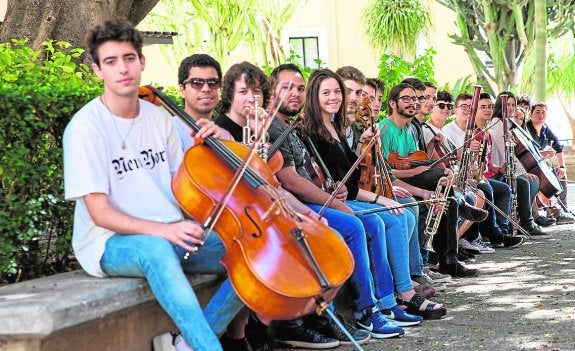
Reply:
x=445, y=240
x=526, y=192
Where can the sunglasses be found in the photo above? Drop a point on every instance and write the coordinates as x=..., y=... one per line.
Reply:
x=442, y=105
x=198, y=83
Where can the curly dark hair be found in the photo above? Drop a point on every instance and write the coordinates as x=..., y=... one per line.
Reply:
x=113, y=29
x=253, y=76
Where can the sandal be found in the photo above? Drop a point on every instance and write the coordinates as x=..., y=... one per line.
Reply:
x=414, y=305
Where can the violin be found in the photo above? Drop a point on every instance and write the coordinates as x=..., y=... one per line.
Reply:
x=372, y=177
x=280, y=266
x=414, y=159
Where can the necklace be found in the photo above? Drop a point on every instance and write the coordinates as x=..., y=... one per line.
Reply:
x=116, y=126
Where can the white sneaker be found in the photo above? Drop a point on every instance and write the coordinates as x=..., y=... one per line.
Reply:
x=436, y=276
x=482, y=246
x=170, y=342
x=464, y=243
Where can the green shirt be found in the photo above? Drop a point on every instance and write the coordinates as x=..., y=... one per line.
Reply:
x=395, y=139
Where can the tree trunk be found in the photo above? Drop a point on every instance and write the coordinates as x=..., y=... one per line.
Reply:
x=540, y=47
x=67, y=20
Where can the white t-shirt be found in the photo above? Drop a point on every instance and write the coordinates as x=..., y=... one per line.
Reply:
x=454, y=134
x=498, y=146
x=137, y=179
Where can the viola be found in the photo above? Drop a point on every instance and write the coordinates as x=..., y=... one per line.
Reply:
x=373, y=175
x=279, y=266
x=414, y=159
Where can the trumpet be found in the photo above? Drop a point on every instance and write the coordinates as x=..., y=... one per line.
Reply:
x=432, y=221
x=250, y=138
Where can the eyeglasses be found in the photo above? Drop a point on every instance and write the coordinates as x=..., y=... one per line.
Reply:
x=407, y=99
x=198, y=83
x=464, y=107
x=484, y=108
x=442, y=105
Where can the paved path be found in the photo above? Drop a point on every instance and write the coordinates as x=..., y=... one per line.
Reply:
x=524, y=299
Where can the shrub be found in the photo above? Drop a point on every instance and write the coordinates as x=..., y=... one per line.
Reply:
x=41, y=90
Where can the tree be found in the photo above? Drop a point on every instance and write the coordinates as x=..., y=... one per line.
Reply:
x=219, y=27
x=66, y=20
x=504, y=32
x=395, y=25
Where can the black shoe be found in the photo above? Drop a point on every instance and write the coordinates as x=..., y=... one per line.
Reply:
x=512, y=242
x=303, y=337
x=327, y=327
x=257, y=334
x=545, y=221
x=472, y=213
x=457, y=270
x=535, y=231
x=229, y=344
x=464, y=255
x=565, y=218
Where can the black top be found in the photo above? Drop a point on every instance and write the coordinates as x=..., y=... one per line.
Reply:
x=545, y=138
x=338, y=159
x=226, y=123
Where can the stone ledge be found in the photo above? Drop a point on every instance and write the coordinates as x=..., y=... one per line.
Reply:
x=37, y=308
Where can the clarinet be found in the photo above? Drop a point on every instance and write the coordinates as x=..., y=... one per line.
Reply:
x=510, y=175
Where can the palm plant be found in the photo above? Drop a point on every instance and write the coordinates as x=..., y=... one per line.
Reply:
x=395, y=25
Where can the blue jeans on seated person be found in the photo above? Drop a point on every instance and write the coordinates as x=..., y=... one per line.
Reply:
x=415, y=258
x=395, y=245
x=353, y=233
x=162, y=264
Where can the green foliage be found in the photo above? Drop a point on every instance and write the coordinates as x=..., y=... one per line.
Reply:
x=296, y=59
x=462, y=85
x=41, y=90
x=396, y=24
x=393, y=69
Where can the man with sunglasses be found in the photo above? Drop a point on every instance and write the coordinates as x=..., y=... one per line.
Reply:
x=401, y=108
x=199, y=78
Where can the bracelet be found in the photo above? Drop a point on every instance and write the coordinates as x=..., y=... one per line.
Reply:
x=375, y=200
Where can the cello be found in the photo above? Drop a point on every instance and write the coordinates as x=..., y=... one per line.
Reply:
x=534, y=162
x=280, y=266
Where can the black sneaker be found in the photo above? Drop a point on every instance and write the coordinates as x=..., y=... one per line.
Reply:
x=303, y=337
x=465, y=256
x=545, y=221
x=536, y=231
x=257, y=334
x=327, y=327
x=512, y=242
x=229, y=344
x=457, y=270
x=472, y=213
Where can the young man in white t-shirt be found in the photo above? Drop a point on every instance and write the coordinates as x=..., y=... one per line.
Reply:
x=120, y=154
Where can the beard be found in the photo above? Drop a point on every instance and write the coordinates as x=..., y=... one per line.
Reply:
x=287, y=111
x=404, y=114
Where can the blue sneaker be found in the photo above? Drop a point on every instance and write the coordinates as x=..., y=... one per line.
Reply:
x=377, y=326
x=399, y=317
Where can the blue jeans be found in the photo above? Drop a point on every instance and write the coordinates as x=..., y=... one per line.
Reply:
x=395, y=245
x=415, y=258
x=162, y=264
x=353, y=232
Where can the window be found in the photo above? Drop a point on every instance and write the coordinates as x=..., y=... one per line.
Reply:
x=307, y=48
x=309, y=43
